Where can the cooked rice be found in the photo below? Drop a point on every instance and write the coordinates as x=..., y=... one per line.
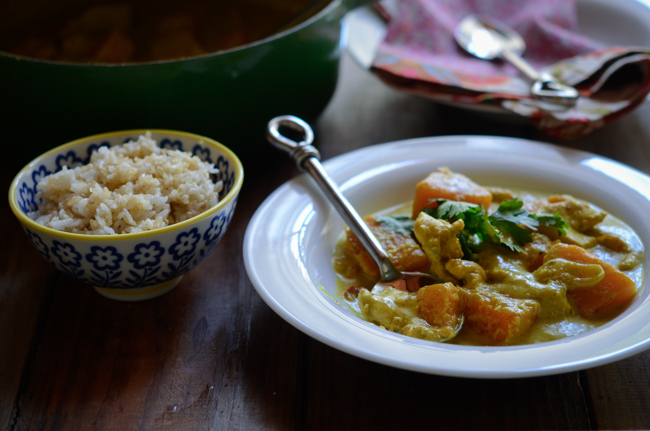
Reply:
x=133, y=187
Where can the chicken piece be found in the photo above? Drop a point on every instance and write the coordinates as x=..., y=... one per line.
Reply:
x=631, y=261
x=403, y=251
x=573, y=275
x=614, y=242
x=533, y=252
x=509, y=274
x=439, y=240
x=577, y=238
x=500, y=194
x=493, y=318
x=471, y=274
x=398, y=311
x=580, y=215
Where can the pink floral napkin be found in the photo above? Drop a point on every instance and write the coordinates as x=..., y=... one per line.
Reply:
x=419, y=55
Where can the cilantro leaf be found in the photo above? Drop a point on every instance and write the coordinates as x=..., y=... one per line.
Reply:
x=510, y=225
x=478, y=229
x=512, y=220
x=554, y=220
x=451, y=210
x=401, y=224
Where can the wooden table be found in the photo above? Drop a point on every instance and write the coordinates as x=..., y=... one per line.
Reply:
x=212, y=355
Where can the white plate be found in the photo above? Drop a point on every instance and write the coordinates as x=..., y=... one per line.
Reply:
x=610, y=22
x=289, y=243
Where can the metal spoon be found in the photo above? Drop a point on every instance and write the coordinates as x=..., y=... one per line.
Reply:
x=489, y=39
x=307, y=158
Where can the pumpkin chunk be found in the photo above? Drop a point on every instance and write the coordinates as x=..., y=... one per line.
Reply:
x=403, y=251
x=614, y=292
x=496, y=318
x=445, y=184
x=439, y=304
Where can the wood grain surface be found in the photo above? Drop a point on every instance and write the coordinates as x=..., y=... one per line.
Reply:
x=211, y=355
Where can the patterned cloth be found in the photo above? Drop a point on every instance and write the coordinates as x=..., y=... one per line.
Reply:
x=419, y=55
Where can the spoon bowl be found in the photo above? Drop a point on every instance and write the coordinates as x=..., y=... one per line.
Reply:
x=487, y=39
x=307, y=158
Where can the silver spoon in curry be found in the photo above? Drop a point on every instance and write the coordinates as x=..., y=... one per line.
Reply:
x=307, y=158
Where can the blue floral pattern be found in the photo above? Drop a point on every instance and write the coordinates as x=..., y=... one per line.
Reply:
x=38, y=243
x=185, y=244
x=25, y=199
x=68, y=260
x=66, y=254
x=225, y=175
x=202, y=153
x=145, y=263
x=104, y=258
x=106, y=264
x=69, y=159
x=217, y=228
x=232, y=209
x=183, y=251
x=213, y=234
x=38, y=174
x=146, y=255
x=171, y=145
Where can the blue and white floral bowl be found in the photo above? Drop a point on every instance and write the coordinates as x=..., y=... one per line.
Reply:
x=135, y=266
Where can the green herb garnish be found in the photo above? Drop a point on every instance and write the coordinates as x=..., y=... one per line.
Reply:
x=510, y=225
x=401, y=224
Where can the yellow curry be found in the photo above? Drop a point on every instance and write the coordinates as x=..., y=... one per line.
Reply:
x=509, y=267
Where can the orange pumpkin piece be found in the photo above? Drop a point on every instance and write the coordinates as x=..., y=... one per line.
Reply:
x=403, y=251
x=497, y=318
x=439, y=304
x=445, y=184
x=613, y=293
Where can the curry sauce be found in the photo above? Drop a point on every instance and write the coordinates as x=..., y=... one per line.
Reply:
x=556, y=284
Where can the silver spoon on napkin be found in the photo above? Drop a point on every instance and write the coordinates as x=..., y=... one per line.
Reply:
x=307, y=158
x=489, y=39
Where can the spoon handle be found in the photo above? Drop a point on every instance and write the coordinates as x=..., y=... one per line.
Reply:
x=545, y=87
x=307, y=158
x=521, y=64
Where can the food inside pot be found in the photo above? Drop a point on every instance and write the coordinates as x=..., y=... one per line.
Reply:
x=138, y=31
x=511, y=266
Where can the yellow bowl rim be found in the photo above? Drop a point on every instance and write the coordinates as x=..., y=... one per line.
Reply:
x=25, y=220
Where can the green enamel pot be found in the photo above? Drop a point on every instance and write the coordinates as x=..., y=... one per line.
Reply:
x=228, y=96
